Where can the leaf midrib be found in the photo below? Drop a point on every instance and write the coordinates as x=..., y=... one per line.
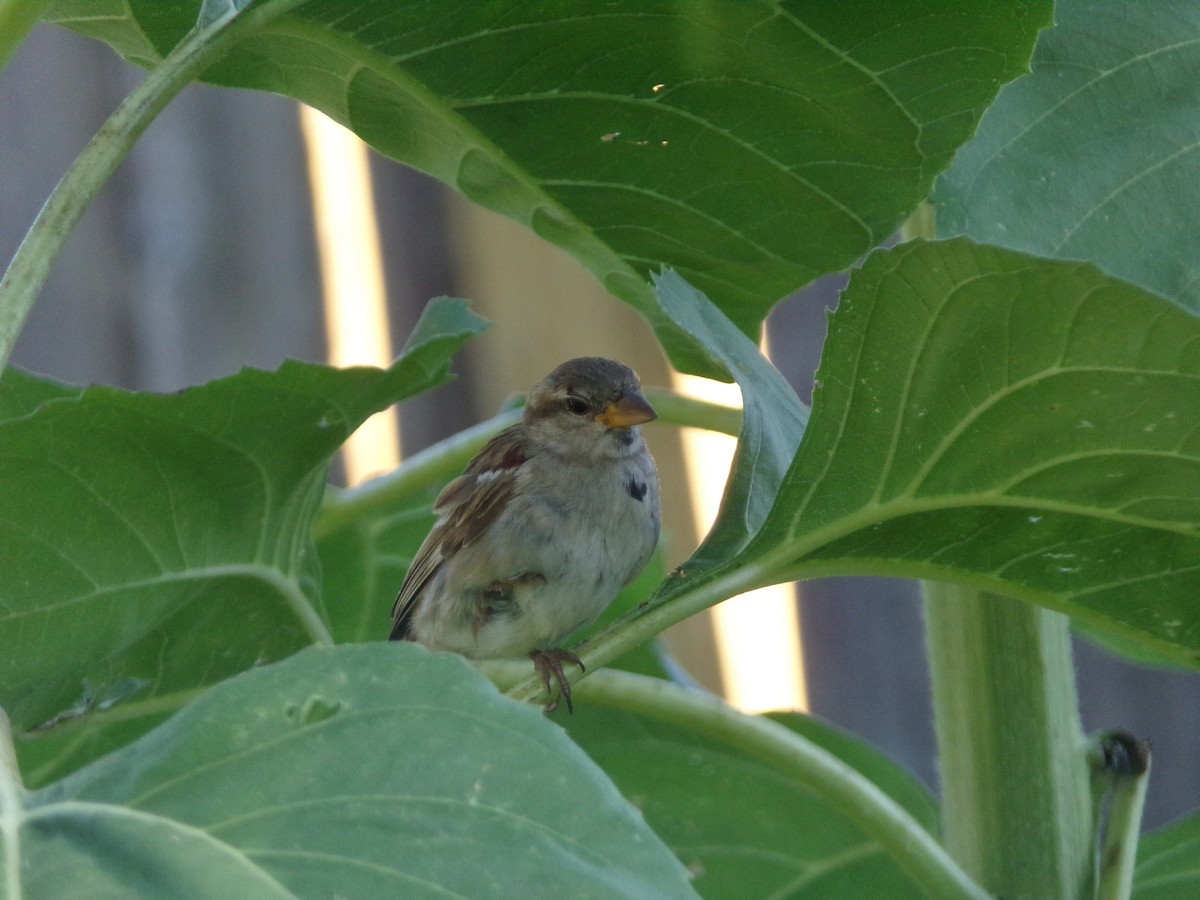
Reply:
x=76, y=808
x=906, y=505
x=285, y=586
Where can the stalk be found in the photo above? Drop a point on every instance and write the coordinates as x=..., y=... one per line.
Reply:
x=1121, y=771
x=1016, y=794
x=12, y=792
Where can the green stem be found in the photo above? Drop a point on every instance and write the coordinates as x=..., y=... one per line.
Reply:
x=1122, y=767
x=17, y=17
x=12, y=792
x=680, y=409
x=1016, y=798
x=843, y=787
x=448, y=458
x=1118, y=853
x=79, y=186
x=10, y=772
x=1015, y=780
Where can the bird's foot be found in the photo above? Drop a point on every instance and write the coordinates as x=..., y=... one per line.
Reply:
x=550, y=662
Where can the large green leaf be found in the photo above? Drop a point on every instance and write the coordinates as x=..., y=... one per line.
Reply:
x=1168, y=865
x=1020, y=424
x=751, y=146
x=1093, y=155
x=359, y=771
x=154, y=544
x=746, y=829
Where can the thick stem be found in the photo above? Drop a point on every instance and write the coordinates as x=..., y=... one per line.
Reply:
x=1015, y=777
x=31, y=264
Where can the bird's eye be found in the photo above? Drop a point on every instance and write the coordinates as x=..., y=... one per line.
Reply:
x=576, y=405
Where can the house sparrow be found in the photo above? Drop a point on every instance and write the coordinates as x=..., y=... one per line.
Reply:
x=550, y=520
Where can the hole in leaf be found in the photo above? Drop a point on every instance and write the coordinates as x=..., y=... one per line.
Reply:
x=315, y=709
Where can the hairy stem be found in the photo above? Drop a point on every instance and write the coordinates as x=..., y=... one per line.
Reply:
x=1015, y=778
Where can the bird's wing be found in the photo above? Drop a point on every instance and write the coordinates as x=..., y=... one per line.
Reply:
x=466, y=508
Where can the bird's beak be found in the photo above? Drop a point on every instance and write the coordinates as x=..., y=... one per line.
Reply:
x=632, y=409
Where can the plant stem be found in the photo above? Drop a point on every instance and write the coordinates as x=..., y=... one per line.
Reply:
x=1015, y=779
x=17, y=17
x=11, y=791
x=83, y=180
x=680, y=409
x=842, y=786
x=10, y=772
x=1122, y=769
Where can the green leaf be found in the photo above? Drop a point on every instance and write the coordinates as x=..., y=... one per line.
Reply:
x=744, y=828
x=812, y=128
x=1026, y=426
x=357, y=771
x=1166, y=866
x=155, y=544
x=97, y=728
x=1091, y=157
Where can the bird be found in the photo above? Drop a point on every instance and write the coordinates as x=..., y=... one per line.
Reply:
x=550, y=520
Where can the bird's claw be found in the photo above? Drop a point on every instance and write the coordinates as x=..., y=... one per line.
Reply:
x=550, y=662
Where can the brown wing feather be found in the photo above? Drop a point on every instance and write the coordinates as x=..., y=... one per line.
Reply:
x=467, y=506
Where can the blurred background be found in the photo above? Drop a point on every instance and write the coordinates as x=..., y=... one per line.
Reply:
x=244, y=230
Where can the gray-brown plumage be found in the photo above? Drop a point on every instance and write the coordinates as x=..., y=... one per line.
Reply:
x=548, y=522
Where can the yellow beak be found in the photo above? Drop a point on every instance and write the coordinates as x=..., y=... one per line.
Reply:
x=632, y=409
